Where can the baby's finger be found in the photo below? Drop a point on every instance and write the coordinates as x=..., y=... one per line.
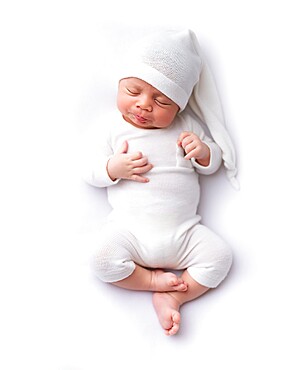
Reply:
x=139, y=178
x=140, y=162
x=186, y=141
x=182, y=137
x=135, y=156
x=189, y=155
x=193, y=154
x=189, y=147
x=143, y=169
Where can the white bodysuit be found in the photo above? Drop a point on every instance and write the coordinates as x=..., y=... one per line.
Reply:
x=154, y=224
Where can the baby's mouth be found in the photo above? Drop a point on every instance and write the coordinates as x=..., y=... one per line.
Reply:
x=140, y=118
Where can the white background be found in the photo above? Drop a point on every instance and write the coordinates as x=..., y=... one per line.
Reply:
x=55, y=79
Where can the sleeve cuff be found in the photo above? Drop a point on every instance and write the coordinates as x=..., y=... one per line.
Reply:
x=98, y=176
x=102, y=177
x=215, y=160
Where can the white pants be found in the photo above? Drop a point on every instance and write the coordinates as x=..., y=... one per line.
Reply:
x=206, y=256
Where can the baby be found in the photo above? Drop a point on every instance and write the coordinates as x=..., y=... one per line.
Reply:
x=149, y=160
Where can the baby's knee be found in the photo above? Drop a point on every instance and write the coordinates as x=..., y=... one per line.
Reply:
x=112, y=262
x=220, y=263
x=213, y=262
x=103, y=262
x=224, y=257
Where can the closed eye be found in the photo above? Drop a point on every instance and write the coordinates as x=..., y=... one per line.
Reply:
x=162, y=103
x=132, y=91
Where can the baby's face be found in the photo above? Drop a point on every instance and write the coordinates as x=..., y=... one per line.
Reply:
x=144, y=106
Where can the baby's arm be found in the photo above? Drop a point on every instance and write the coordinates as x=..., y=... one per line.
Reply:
x=195, y=148
x=124, y=165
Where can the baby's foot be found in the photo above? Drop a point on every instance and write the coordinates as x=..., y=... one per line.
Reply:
x=167, y=309
x=162, y=281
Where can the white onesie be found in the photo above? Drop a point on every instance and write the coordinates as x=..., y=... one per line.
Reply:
x=154, y=224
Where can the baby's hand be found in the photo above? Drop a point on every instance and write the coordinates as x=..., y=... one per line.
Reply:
x=124, y=165
x=194, y=148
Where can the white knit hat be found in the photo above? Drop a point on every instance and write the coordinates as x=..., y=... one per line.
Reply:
x=172, y=62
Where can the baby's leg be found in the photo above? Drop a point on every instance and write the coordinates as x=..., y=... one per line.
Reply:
x=209, y=260
x=152, y=280
x=118, y=261
x=167, y=304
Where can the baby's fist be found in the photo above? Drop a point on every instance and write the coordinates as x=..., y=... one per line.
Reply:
x=194, y=148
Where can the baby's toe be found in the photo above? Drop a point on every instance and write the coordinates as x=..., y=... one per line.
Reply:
x=180, y=286
x=176, y=318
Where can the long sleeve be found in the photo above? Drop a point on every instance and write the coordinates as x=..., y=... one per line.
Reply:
x=95, y=153
x=215, y=151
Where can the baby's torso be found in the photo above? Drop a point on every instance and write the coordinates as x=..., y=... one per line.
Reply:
x=171, y=196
